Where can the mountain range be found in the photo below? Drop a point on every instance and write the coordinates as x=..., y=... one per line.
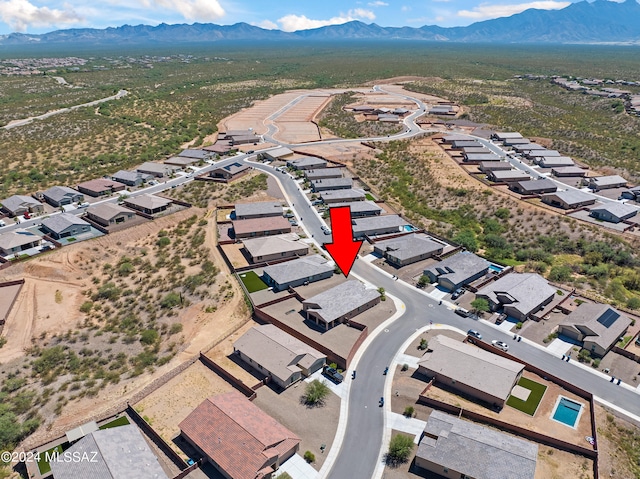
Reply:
x=601, y=21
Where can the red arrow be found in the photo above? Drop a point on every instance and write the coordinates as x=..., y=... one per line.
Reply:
x=343, y=250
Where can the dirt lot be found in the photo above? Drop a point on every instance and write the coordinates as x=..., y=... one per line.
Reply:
x=168, y=405
x=235, y=255
x=295, y=125
x=315, y=426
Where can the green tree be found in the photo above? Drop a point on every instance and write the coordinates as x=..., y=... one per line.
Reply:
x=467, y=239
x=423, y=281
x=400, y=449
x=309, y=457
x=171, y=300
x=560, y=273
x=149, y=336
x=315, y=393
x=481, y=305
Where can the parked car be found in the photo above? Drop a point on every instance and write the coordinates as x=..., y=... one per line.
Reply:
x=333, y=374
x=500, y=345
x=293, y=222
x=2, y=223
x=457, y=293
x=381, y=402
x=474, y=334
x=84, y=204
x=465, y=313
x=27, y=216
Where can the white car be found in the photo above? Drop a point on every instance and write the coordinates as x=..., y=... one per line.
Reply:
x=2, y=223
x=84, y=204
x=500, y=345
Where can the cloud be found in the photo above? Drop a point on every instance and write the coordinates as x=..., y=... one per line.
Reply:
x=292, y=23
x=378, y=3
x=197, y=10
x=493, y=11
x=268, y=25
x=405, y=8
x=21, y=14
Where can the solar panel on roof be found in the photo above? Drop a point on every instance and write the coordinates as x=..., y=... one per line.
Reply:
x=608, y=318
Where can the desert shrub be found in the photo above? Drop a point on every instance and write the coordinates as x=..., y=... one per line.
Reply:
x=408, y=411
x=149, y=336
x=400, y=449
x=315, y=393
x=171, y=300
x=309, y=457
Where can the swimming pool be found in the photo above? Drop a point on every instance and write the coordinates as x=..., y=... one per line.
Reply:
x=567, y=411
x=495, y=267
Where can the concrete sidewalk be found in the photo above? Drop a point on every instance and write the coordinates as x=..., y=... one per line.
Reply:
x=298, y=468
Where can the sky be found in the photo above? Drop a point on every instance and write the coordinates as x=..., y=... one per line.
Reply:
x=39, y=16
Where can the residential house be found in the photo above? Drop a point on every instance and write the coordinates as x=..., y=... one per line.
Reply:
x=507, y=176
x=159, y=170
x=273, y=225
x=237, y=438
x=148, y=204
x=457, y=270
x=272, y=248
x=240, y=137
x=18, y=205
x=481, y=374
x=569, y=199
x=262, y=209
x=307, y=163
x=113, y=453
x=100, y=187
x=515, y=141
x=488, y=166
x=446, y=110
x=536, y=155
x=340, y=196
x=506, y=135
x=460, y=144
x=131, y=178
x=407, y=249
x=472, y=157
x=109, y=214
x=331, y=184
x=62, y=195
x=197, y=154
x=555, y=161
x=230, y=172
x=449, y=139
x=597, y=326
x=278, y=153
x=528, y=147
x=323, y=173
x=519, y=295
x=277, y=355
x=631, y=193
x=181, y=162
x=221, y=148
x=297, y=272
x=13, y=242
x=65, y=225
x=534, y=187
x=454, y=448
x=340, y=303
x=613, y=212
x=360, y=209
x=598, y=183
x=476, y=150
x=564, y=171
x=378, y=225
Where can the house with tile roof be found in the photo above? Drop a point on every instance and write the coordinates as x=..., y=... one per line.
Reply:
x=237, y=438
x=274, y=225
x=297, y=272
x=597, y=326
x=519, y=295
x=17, y=205
x=487, y=453
x=475, y=372
x=277, y=355
x=271, y=248
x=114, y=453
x=340, y=303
